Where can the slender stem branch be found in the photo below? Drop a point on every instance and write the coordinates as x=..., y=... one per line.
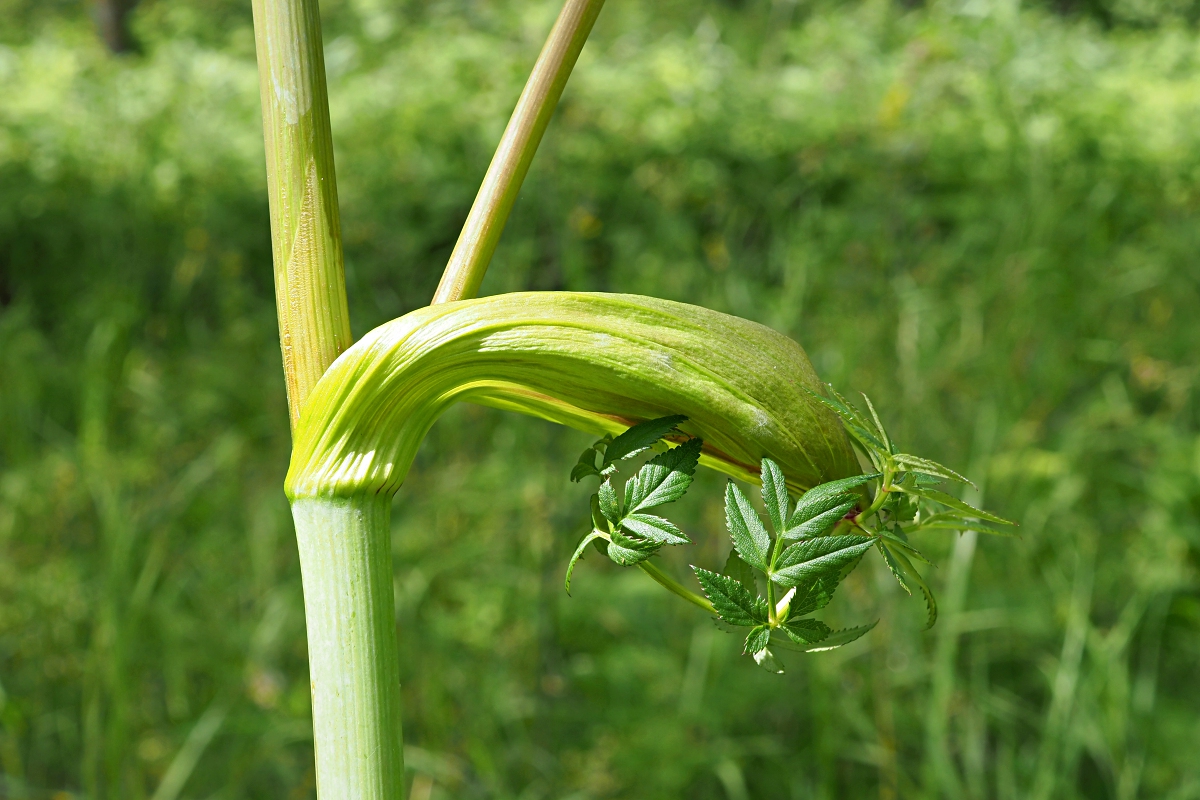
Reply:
x=675, y=587
x=306, y=239
x=346, y=568
x=485, y=222
x=771, y=601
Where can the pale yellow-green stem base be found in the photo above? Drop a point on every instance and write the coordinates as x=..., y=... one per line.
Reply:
x=346, y=564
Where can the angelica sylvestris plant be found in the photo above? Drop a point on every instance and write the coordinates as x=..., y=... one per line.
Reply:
x=705, y=388
x=805, y=549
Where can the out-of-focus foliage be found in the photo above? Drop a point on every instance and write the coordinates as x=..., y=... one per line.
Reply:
x=993, y=208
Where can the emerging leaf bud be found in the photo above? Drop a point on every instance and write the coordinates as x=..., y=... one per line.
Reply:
x=785, y=604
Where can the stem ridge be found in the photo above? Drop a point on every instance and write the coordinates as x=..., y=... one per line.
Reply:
x=346, y=565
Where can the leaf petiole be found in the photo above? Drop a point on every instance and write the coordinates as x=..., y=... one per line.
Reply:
x=673, y=586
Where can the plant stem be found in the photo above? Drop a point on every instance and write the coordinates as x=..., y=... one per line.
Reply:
x=481, y=232
x=346, y=566
x=306, y=238
x=675, y=587
x=344, y=543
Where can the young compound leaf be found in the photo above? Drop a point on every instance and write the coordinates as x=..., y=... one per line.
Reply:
x=584, y=542
x=775, y=495
x=749, y=536
x=740, y=571
x=758, y=639
x=927, y=467
x=732, y=601
x=638, y=438
x=963, y=509
x=610, y=507
x=664, y=478
x=655, y=529
x=820, y=557
x=841, y=638
x=806, y=631
x=585, y=466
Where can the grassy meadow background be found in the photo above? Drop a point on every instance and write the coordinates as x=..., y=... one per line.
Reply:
x=984, y=214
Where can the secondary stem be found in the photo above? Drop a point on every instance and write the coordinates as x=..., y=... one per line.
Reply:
x=306, y=238
x=481, y=232
x=346, y=566
x=675, y=587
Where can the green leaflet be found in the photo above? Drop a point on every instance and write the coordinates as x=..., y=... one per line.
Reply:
x=819, y=558
x=597, y=362
x=775, y=495
x=887, y=442
x=757, y=640
x=824, y=497
x=841, y=638
x=655, y=529
x=806, y=631
x=904, y=571
x=963, y=525
x=740, y=571
x=855, y=425
x=610, y=507
x=732, y=600
x=931, y=468
x=894, y=566
x=901, y=541
x=964, y=509
x=627, y=552
x=750, y=538
x=585, y=466
x=813, y=594
x=822, y=523
x=588, y=538
x=638, y=439
x=664, y=478
x=599, y=521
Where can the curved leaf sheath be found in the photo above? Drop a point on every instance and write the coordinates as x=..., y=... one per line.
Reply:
x=596, y=362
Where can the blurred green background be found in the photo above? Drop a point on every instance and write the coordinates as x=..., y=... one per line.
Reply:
x=983, y=214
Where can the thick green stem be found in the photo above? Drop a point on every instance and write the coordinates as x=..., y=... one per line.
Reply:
x=306, y=239
x=485, y=222
x=346, y=565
